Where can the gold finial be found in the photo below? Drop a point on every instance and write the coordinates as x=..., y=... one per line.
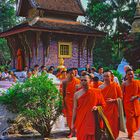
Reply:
x=61, y=63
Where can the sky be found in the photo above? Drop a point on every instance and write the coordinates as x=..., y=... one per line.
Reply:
x=84, y=3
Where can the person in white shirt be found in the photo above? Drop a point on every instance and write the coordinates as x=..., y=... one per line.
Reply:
x=100, y=73
x=5, y=75
x=24, y=74
x=114, y=78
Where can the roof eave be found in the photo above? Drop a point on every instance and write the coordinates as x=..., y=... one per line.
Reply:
x=24, y=29
x=63, y=12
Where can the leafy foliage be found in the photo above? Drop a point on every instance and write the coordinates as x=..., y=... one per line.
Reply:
x=8, y=20
x=7, y=14
x=4, y=49
x=104, y=53
x=137, y=72
x=38, y=100
x=118, y=75
x=97, y=15
x=132, y=52
x=114, y=17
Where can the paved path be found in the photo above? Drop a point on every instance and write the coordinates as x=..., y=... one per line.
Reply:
x=62, y=136
x=122, y=136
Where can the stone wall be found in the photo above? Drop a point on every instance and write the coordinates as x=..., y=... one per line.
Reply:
x=4, y=116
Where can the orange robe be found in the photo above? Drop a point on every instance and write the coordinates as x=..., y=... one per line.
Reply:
x=111, y=109
x=97, y=84
x=19, y=60
x=85, y=119
x=70, y=90
x=132, y=109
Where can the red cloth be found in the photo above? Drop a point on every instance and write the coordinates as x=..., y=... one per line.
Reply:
x=132, y=109
x=85, y=121
x=111, y=109
x=97, y=84
x=70, y=90
x=19, y=60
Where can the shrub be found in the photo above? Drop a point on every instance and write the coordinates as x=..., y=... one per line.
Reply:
x=38, y=100
x=118, y=75
x=137, y=73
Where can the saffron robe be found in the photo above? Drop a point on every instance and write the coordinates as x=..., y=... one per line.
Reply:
x=19, y=60
x=97, y=84
x=85, y=119
x=70, y=90
x=132, y=108
x=111, y=109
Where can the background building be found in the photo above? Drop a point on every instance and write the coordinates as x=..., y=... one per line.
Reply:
x=51, y=31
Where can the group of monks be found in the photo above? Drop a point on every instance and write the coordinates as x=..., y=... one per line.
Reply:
x=82, y=97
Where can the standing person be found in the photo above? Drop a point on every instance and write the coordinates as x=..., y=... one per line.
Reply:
x=114, y=78
x=93, y=70
x=42, y=71
x=19, y=60
x=131, y=90
x=51, y=69
x=12, y=77
x=36, y=70
x=24, y=74
x=96, y=82
x=100, y=73
x=111, y=92
x=63, y=75
x=5, y=75
x=68, y=90
x=88, y=68
x=86, y=100
x=76, y=73
x=126, y=67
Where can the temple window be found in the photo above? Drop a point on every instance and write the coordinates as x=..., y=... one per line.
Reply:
x=65, y=49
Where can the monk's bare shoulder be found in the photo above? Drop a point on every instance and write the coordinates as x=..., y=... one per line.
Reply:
x=64, y=81
x=78, y=86
x=102, y=86
x=77, y=94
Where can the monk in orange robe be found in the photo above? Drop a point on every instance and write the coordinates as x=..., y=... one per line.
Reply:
x=19, y=60
x=68, y=90
x=131, y=90
x=62, y=76
x=111, y=91
x=86, y=100
x=96, y=82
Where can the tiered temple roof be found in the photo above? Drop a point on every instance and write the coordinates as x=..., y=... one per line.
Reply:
x=55, y=26
x=73, y=7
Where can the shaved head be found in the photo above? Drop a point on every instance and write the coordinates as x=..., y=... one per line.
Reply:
x=107, y=76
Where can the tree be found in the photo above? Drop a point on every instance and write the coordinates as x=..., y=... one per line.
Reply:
x=132, y=51
x=8, y=19
x=98, y=14
x=7, y=15
x=114, y=17
x=103, y=52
